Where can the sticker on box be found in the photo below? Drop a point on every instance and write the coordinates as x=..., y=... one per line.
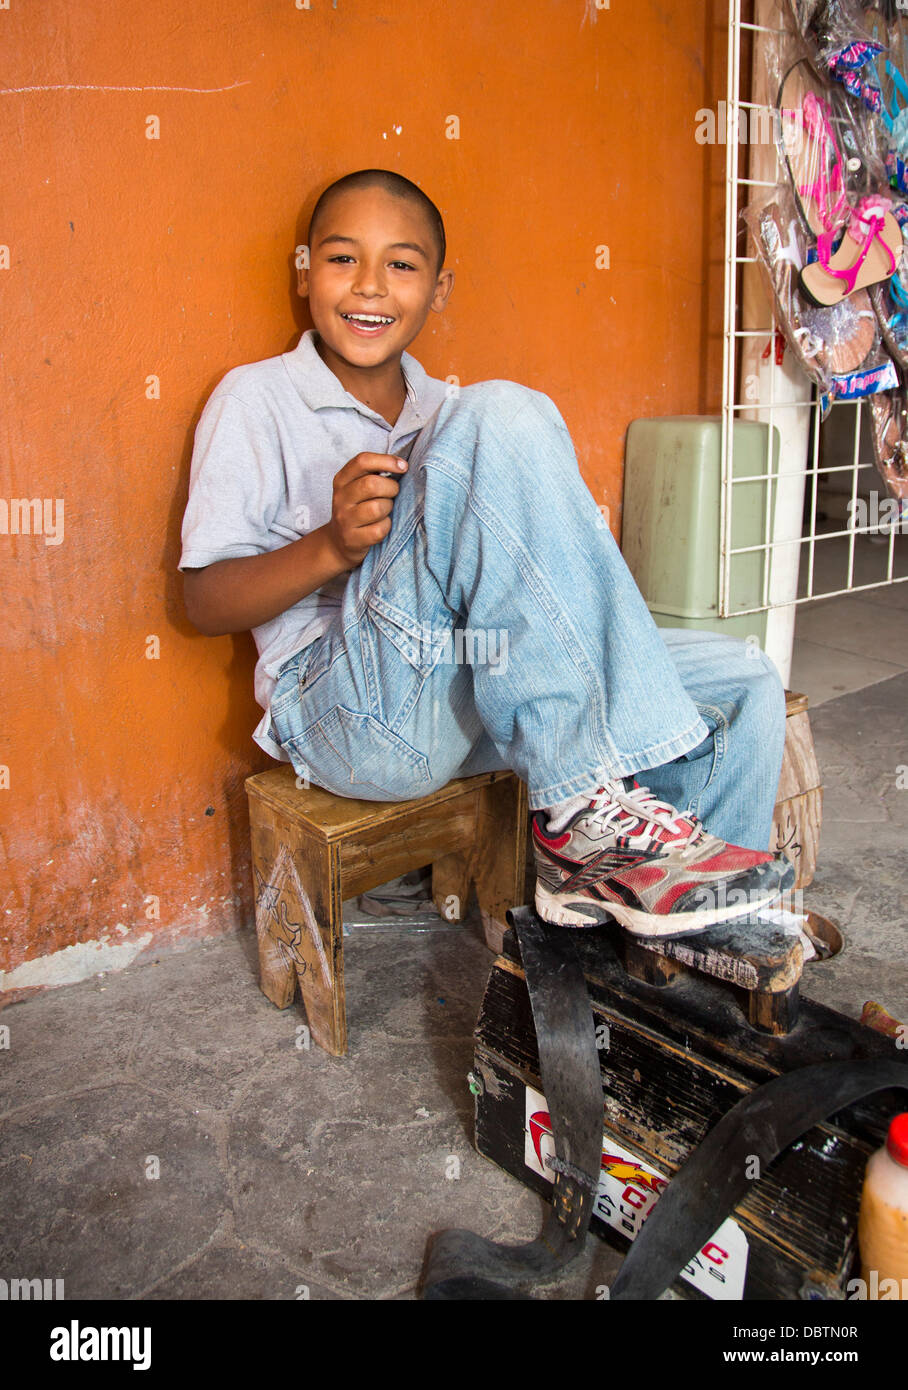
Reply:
x=629, y=1188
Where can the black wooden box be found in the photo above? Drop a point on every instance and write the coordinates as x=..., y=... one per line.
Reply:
x=674, y=1060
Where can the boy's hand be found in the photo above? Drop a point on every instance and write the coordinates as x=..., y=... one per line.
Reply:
x=364, y=492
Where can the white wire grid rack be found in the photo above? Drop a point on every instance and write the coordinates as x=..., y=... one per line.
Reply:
x=829, y=547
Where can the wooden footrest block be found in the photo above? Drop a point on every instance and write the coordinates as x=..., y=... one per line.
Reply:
x=762, y=960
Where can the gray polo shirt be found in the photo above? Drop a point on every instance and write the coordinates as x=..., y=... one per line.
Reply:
x=268, y=444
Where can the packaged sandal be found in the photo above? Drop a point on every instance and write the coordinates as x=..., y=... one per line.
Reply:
x=889, y=434
x=830, y=343
x=869, y=251
x=828, y=148
x=890, y=301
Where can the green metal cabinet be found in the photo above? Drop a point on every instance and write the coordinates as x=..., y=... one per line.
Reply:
x=670, y=534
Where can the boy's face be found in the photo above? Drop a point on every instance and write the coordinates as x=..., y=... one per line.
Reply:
x=372, y=278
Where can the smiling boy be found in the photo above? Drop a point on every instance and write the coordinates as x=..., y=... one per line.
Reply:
x=354, y=514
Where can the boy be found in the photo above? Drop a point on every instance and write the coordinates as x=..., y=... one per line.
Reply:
x=363, y=525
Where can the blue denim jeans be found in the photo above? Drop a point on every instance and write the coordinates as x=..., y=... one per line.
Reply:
x=497, y=626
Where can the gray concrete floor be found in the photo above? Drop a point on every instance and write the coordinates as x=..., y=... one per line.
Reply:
x=283, y=1170
x=279, y=1167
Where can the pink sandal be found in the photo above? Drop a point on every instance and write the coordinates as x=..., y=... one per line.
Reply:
x=824, y=203
x=870, y=251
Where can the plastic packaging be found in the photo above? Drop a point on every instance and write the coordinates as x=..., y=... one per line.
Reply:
x=833, y=144
x=825, y=141
x=889, y=435
x=841, y=46
x=839, y=347
x=883, y=1219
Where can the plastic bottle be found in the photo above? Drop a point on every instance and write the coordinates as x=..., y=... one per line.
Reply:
x=883, y=1219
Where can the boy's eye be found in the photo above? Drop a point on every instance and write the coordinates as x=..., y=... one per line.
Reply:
x=342, y=259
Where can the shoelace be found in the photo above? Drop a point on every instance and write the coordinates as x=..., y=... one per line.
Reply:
x=641, y=803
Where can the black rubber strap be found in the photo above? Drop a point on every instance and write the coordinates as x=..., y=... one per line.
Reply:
x=715, y=1177
x=462, y=1265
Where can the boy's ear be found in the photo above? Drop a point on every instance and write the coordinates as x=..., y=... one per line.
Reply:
x=443, y=287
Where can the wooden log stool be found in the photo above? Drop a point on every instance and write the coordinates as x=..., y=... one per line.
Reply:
x=311, y=850
x=799, y=801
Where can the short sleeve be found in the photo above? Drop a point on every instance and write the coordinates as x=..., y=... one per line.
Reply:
x=236, y=484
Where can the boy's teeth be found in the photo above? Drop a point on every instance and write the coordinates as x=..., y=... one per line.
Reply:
x=368, y=318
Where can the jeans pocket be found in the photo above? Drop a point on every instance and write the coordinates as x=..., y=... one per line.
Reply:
x=419, y=644
x=355, y=755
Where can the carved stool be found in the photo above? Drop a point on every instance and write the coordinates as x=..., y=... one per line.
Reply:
x=311, y=850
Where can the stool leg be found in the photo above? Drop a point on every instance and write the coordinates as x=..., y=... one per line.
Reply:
x=498, y=861
x=299, y=924
x=773, y=1013
x=451, y=885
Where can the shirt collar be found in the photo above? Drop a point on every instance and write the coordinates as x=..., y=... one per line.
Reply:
x=320, y=389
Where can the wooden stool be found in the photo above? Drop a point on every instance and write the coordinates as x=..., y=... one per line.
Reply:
x=311, y=850
x=799, y=801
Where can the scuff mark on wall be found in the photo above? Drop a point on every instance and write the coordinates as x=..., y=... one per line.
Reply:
x=91, y=87
x=73, y=963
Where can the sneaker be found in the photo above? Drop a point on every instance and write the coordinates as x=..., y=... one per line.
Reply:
x=628, y=856
x=406, y=896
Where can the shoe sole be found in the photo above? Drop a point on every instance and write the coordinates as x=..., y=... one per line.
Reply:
x=561, y=913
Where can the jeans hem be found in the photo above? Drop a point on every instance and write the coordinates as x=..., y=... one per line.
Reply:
x=542, y=798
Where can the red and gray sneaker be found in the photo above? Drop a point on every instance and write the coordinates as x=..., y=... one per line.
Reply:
x=628, y=856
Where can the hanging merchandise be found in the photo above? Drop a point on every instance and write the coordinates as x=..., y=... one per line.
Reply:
x=839, y=347
x=827, y=146
x=889, y=436
x=895, y=120
x=841, y=47
x=869, y=252
x=832, y=230
x=892, y=126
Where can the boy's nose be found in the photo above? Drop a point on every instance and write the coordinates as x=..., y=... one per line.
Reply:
x=369, y=282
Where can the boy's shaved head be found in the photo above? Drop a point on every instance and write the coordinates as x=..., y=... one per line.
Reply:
x=392, y=183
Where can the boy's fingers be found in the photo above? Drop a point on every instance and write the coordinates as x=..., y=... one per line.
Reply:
x=361, y=464
x=371, y=485
x=371, y=535
x=362, y=538
x=372, y=509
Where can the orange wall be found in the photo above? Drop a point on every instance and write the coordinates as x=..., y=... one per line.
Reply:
x=132, y=258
